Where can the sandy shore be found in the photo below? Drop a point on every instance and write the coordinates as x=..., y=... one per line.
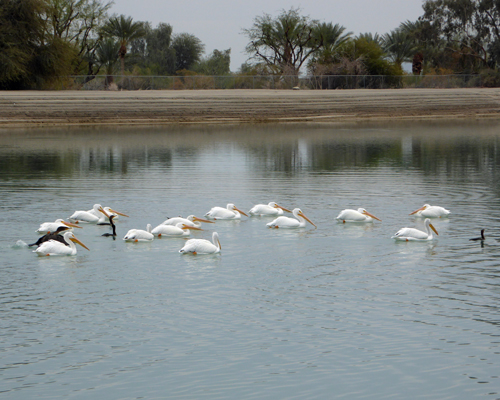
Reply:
x=21, y=108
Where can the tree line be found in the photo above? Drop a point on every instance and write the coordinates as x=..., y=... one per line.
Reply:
x=42, y=41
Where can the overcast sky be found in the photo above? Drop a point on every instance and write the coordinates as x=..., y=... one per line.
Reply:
x=219, y=23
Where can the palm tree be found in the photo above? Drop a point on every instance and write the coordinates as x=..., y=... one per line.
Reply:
x=107, y=57
x=333, y=40
x=399, y=46
x=124, y=30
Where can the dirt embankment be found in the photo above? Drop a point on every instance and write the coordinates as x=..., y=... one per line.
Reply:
x=242, y=106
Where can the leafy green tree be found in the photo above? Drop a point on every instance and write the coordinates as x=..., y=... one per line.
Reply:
x=154, y=51
x=284, y=42
x=216, y=64
x=468, y=27
x=373, y=57
x=78, y=22
x=188, y=50
x=124, y=29
x=28, y=56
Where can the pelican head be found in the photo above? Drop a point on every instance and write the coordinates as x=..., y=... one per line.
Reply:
x=232, y=207
x=420, y=209
x=298, y=212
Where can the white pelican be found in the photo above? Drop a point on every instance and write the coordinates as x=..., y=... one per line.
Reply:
x=268, y=209
x=286, y=222
x=428, y=211
x=109, y=211
x=230, y=212
x=85, y=216
x=408, y=234
x=48, y=227
x=202, y=246
x=179, y=229
x=359, y=215
x=139, y=235
x=189, y=221
x=55, y=248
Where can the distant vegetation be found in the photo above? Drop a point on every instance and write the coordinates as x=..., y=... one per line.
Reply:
x=43, y=42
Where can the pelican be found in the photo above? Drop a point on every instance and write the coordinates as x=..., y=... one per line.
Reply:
x=202, y=246
x=286, y=222
x=230, y=212
x=109, y=211
x=481, y=238
x=428, y=211
x=139, y=235
x=52, y=236
x=55, y=248
x=359, y=215
x=191, y=221
x=268, y=209
x=48, y=227
x=85, y=216
x=179, y=229
x=407, y=234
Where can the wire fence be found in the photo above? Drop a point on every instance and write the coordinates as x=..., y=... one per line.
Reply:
x=129, y=82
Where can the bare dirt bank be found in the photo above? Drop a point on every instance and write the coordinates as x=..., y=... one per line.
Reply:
x=23, y=108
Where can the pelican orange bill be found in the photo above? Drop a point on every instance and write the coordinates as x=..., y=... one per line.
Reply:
x=307, y=219
x=74, y=239
x=371, y=215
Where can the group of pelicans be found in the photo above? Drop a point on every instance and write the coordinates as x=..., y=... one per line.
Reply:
x=59, y=238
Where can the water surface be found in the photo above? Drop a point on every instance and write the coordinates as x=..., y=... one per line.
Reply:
x=341, y=311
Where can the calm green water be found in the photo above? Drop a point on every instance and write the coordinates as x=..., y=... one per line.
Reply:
x=341, y=311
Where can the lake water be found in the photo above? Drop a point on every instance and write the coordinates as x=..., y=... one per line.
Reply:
x=341, y=311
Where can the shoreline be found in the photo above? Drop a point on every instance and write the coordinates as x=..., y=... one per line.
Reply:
x=59, y=108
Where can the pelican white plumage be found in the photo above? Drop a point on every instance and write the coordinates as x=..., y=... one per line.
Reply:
x=109, y=211
x=55, y=248
x=202, y=246
x=287, y=222
x=359, y=215
x=139, y=235
x=99, y=216
x=230, y=212
x=428, y=211
x=49, y=227
x=191, y=220
x=412, y=234
x=180, y=229
x=267, y=209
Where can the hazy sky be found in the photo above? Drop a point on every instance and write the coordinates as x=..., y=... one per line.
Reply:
x=219, y=23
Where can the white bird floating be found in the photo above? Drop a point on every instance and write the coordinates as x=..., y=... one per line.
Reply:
x=139, y=235
x=411, y=234
x=286, y=222
x=109, y=211
x=98, y=216
x=191, y=221
x=359, y=215
x=180, y=229
x=202, y=246
x=49, y=227
x=267, y=209
x=230, y=212
x=427, y=211
x=55, y=248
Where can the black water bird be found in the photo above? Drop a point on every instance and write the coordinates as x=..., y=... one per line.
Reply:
x=113, y=226
x=479, y=238
x=52, y=236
